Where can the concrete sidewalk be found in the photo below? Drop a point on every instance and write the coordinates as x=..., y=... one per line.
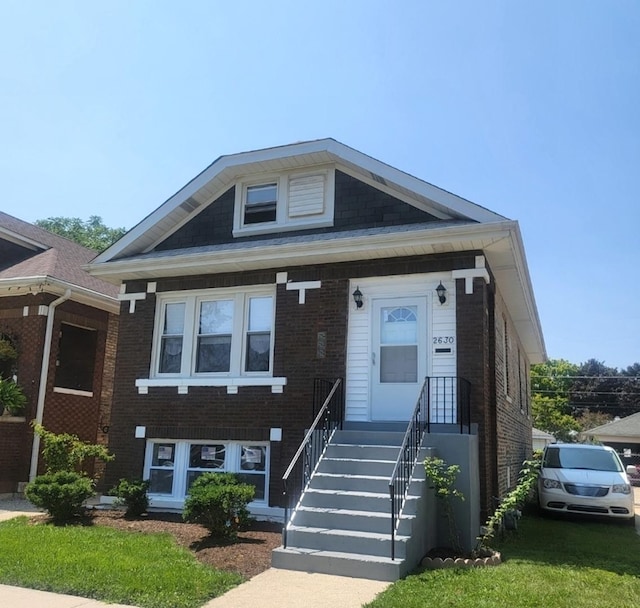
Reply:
x=271, y=589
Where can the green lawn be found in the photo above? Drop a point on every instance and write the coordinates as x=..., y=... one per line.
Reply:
x=548, y=563
x=147, y=570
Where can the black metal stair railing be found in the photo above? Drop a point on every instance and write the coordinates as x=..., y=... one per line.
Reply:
x=442, y=400
x=327, y=420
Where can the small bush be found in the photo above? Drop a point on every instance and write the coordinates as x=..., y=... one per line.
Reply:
x=66, y=452
x=132, y=494
x=219, y=501
x=61, y=494
x=12, y=398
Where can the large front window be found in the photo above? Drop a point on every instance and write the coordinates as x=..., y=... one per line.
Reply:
x=214, y=333
x=172, y=466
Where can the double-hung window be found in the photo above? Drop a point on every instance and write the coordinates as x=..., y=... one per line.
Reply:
x=260, y=203
x=219, y=332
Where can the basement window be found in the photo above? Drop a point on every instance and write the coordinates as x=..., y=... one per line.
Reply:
x=76, y=359
x=171, y=466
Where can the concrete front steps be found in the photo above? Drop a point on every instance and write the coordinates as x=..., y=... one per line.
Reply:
x=343, y=524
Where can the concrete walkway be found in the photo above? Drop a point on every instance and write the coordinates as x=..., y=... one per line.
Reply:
x=271, y=589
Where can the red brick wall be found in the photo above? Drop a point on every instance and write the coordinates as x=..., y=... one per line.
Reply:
x=513, y=420
x=209, y=412
x=504, y=424
x=27, y=333
x=475, y=355
x=62, y=413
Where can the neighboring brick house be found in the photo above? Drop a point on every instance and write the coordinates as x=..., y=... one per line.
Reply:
x=239, y=294
x=63, y=324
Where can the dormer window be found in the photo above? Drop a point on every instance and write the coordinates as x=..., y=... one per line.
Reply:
x=260, y=203
x=284, y=201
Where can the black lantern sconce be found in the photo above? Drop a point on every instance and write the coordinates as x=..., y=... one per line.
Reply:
x=357, y=297
x=441, y=290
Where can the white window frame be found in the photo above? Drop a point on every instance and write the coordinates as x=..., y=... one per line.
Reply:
x=192, y=301
x=236, y=376
x=233, y=451
x=283, y=222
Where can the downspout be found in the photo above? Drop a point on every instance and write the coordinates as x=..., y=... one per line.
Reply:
x=44, y=376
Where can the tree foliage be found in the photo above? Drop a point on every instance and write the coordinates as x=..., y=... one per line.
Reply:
x=91, y=233
x=66, y=452
x=568, y=398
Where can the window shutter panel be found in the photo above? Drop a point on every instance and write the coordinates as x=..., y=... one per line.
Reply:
x=306, y=195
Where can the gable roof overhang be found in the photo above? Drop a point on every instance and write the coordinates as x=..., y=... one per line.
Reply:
x=226, y=170
x=501, y=243
x=21, y=286
x=621, y=430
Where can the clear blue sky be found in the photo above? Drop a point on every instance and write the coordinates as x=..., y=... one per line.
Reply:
x=531, y=109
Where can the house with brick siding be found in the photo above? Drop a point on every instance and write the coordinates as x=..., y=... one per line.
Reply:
x=61, y=324
x=317, y=321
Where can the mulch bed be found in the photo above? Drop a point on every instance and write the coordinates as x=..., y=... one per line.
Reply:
x=249, y=555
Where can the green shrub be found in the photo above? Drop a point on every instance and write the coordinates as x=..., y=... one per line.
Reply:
x=66, y=452
x=132, y=494
x=12, y=398
x=60, y=494
x=219, y=501
x=514, y=500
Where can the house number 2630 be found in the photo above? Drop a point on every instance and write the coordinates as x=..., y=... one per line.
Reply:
x=443, y=340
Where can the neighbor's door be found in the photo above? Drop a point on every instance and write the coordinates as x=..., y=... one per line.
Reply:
x=398, y=356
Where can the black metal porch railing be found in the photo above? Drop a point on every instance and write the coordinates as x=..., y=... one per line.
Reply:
x=442, y=400
x=329, y=418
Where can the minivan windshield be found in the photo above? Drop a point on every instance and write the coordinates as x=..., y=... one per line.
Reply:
x=580, y=458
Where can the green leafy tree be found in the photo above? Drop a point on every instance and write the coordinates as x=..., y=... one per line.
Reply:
x=91, y=233
x=551, y=383
x=551, y=414
x=554, y=378
x=590, y=420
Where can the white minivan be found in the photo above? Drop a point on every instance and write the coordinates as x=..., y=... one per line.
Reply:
x=580, y=478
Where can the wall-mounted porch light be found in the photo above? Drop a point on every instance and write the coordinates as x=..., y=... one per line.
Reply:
x=441, y=290
x=357, y=297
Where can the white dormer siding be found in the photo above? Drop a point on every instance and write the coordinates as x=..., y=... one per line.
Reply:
x=303, y=200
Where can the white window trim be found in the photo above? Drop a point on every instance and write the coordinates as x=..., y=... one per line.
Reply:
x=236, y=376
x=181, y=462
x=283, y=222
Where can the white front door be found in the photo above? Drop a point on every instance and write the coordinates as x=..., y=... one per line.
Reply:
x=398, y=356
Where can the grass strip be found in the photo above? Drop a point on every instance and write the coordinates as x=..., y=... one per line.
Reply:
x=147, y=570
x=547, y=562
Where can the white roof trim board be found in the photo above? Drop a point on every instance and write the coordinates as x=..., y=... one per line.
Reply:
x=465, y=226
x=223, y=172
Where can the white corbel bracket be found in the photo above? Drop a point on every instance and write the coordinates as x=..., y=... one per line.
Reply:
x=468, y=274
x=301, y=288
x=132, y=298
